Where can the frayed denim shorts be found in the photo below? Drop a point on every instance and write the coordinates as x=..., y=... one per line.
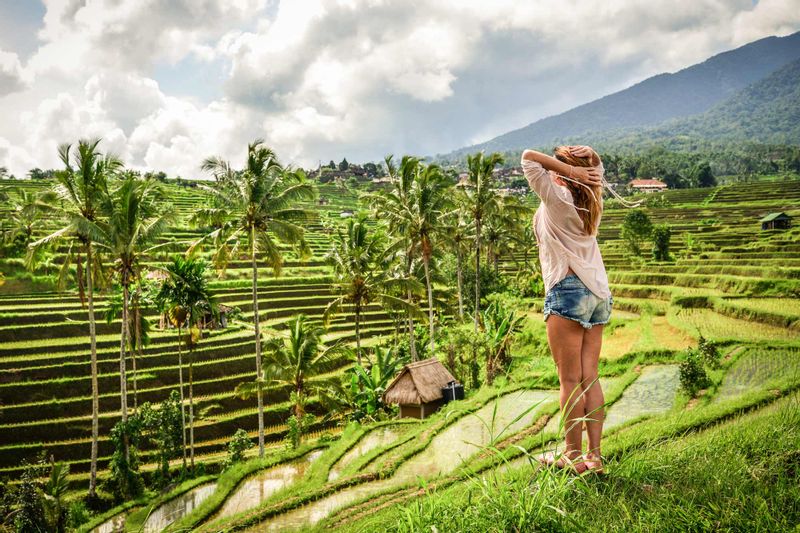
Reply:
x=570, y=298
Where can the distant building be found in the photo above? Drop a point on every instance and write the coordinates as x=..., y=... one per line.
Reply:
x=418, y=388
x=647, y=185
x=776, y=221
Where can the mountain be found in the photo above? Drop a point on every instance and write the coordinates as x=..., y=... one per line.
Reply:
x=766, y=112
x=655, y=100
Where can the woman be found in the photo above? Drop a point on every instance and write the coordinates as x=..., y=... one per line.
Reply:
x=577, y=297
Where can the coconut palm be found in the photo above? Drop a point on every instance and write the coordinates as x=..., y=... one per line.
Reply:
x=458, y=234
x=361, y=276
x=136, y=215
x=297, y=358
x=481, y=200
x=261, y=204
x=388, y=205
x=421, y=222
x=139, y=325
x=27, y=213
x=80, y=188
x=186, y=298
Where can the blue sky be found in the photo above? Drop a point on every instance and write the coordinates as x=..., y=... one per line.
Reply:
x=167, y=83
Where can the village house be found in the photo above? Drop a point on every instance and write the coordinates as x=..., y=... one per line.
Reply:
x=647, y=185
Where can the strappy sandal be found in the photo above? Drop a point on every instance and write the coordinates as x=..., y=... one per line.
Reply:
x=593, y=464
x=560, y=461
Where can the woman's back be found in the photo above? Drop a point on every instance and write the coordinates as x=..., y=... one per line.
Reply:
x=561, y=235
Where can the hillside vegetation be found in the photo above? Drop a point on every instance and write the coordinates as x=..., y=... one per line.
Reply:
x=727, y=281
x=665, y=97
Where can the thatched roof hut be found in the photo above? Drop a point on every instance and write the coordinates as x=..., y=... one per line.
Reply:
x=418, y=388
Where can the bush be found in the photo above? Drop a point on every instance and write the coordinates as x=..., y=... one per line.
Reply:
x=709, y=353
x=636, y=228
x=693, y=375
x=239, y=444
x=661, y=236
x=297, y=428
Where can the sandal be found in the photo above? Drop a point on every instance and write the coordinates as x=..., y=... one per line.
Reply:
x=560, y=461
x=593, y=463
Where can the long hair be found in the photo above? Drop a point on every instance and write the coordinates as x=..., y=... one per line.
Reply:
x=590, y=202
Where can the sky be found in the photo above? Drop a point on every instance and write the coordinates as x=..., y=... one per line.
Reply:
x=167, y=83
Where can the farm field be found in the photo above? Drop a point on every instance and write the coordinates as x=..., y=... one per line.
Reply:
x=729, y=283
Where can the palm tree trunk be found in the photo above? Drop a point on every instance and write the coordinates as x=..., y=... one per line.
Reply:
x=137, y=316
x=259, y=392
x=426, y=264
x=460, y=277
x=95, y=389
x=358, y=333
x=412, y=343
x=191, y=411
x=477, y=272
x=123, y=354
x=180, y=381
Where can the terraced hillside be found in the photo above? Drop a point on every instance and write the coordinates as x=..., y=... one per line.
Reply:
x=730, y=282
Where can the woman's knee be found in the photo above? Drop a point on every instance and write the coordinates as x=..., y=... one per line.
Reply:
x=588, y=379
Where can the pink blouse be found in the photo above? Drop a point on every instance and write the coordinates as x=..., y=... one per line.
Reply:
x=561, y=237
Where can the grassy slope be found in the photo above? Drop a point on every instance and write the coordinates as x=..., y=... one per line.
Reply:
x=741, y=475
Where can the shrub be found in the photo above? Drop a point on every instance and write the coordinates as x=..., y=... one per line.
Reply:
x=239, y=444
x=709, y=353
x=693, y=375
x=636, y=228
x=661, y=236
x=297, y=428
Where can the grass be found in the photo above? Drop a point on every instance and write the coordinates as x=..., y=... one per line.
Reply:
x=724, y=478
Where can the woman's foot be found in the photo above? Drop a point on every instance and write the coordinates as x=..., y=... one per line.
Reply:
x=592, y=463
x=561, y=460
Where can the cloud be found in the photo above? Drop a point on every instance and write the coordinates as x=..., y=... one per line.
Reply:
x=323, y=79
x=11, y=75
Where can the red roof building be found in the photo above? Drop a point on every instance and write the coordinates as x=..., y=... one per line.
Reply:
x=648, y=185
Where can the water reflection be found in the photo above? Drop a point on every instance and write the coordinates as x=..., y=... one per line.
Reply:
x=652, y=393
x=177, y=508
x=259, y=487
x=115, y=524
x=373, y=439
x=446, y=451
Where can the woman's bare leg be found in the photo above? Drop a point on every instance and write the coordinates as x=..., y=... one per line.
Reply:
x=565, y=338
x=593, y=393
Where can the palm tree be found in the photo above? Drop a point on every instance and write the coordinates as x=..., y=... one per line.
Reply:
x=389, y=205
x=481, y=200
x=80, y=188
x=422, y=223
x=186, y=297
x=136, y=217
x=259, y=203
x=295, y=359
x=27, y=210
x=360, y=277
x=458, y=233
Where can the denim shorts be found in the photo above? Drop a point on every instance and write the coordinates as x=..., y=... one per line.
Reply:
x=570, y=298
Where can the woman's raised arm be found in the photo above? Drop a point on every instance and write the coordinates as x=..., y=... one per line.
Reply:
x=587, y=175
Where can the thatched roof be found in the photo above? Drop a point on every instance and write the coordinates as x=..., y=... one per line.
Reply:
x=419, y=382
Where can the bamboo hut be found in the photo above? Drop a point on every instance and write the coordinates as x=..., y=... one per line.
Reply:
x=418, y=388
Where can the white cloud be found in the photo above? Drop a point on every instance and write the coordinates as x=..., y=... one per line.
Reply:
x=11, y=75
x=322, y=79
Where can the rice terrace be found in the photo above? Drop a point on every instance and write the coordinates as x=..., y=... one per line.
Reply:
x=225, y=333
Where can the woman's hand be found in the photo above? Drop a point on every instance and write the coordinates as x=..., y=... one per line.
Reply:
x=587, y=175
x=581, y=151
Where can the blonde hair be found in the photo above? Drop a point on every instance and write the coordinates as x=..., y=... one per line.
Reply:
x=587, y=198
